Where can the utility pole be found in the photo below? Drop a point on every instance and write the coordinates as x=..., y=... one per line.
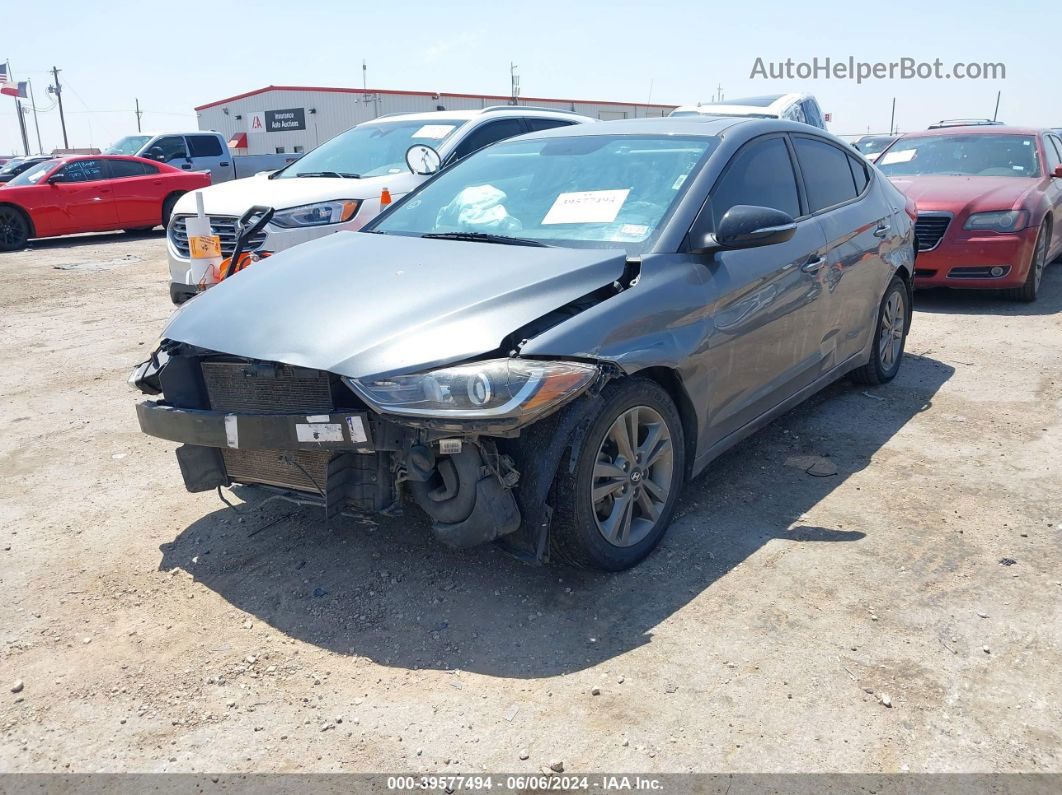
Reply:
x=36, y=124
x=139, y=113
x=514, y=80
x=57, y=89
x=996, y=114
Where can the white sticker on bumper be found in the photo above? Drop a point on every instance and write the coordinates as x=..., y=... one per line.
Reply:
x=232, y=431
x=357, y=429
x=319, y=432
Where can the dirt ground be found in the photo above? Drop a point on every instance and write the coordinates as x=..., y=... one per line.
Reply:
x=902, y=614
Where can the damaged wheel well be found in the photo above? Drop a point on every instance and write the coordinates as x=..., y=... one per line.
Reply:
x=672, y=384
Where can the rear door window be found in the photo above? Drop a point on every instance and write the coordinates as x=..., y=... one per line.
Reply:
x=488, y=133
x=827, y=174
x=129, y=168
x=761, y=174
x=204, y=146
x=534, y=125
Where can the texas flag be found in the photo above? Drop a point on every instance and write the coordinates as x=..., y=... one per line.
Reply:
x=10, y=88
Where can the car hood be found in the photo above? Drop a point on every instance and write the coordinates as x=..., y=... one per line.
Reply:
x=361, y=304
x=960, y=195
x=237, y=196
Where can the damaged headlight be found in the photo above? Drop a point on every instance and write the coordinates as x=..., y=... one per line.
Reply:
x=492, y=388
x=317, y=214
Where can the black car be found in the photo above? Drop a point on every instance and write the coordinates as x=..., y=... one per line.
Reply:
x=542, y=343
x=12, y=168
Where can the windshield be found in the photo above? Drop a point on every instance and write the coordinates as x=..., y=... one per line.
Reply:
x=33, y=175
x=601, y=189
x=373, y=149
x=129, y=145
x=985, y=155
x=12, y=165
x=870, y=146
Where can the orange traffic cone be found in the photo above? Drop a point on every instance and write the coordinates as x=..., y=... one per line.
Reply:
x=385, y=198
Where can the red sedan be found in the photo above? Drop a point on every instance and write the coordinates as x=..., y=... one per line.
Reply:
x=94, y=193
x=989, y=205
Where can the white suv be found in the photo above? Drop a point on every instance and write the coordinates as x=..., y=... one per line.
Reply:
x=338, y=185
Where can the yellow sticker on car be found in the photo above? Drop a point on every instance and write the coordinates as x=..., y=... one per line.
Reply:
x=204, y=246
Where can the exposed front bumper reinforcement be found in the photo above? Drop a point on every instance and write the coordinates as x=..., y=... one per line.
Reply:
x=348, y=430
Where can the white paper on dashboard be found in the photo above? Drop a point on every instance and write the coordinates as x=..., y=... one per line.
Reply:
x=586, y=207
x=434, y=131
x=903, y=156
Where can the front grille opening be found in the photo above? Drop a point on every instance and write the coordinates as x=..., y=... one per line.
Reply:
x=925, y=273
x=929, y=229
x=259, y=388
x=224, y=226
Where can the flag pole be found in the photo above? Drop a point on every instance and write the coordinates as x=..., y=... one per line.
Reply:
x=18, y=110
x=36, y=124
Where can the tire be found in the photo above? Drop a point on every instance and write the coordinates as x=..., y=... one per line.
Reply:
x=893, y=323
x=14, y=229
x=579, y=531
x=140, y=230
x=1027, y=292
x=167, y=209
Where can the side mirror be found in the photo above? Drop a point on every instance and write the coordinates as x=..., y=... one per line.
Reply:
x=423, y=160
x=54, y=178
x=1058, y=172
x=745, y=226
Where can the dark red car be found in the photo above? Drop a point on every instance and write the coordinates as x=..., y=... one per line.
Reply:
x=90, y=193
x=989, y=205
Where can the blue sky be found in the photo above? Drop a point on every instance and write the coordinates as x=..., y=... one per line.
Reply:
x=176, y=56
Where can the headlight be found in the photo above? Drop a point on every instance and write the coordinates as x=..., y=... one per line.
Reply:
x=317, y=214
x=1001, y=221
x=492, y=388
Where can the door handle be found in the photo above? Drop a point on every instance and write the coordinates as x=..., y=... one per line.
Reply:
x=222, y=164
x=882, y=230
x=186, y=166
x=814, y=265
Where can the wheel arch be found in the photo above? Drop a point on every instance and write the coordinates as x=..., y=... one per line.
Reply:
x=22, y=211
x=670, y=381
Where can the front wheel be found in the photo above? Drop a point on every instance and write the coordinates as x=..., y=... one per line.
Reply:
x=1031, y=288
x=14, y=231
x=616, y=506
x=890, y=337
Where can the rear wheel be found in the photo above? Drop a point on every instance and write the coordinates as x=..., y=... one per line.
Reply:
x=167, y=209
x=890, y=337
x=1028, y=291
x=617, y=504
x=14, y=230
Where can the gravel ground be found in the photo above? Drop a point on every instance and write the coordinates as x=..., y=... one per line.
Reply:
x=902, y=614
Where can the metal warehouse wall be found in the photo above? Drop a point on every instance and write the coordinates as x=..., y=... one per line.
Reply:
x=339, y=110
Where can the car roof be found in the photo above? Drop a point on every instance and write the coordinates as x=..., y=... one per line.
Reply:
x=707, y=126
x=976, y=129
x=494, y=111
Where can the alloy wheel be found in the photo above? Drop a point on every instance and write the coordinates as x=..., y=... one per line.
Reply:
x=1040, y=258
x=11, y=232
x=893, y=323
x=632, y=476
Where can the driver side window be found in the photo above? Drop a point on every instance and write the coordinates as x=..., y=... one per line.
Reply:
x=761, y=175
x=488, y=133
x=82, y=171
x=170, y=147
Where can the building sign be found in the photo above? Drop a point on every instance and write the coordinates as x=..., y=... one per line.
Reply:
x=285, y=120
x=256, y=122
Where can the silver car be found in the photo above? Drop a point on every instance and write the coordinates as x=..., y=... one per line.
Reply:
x=544, y=342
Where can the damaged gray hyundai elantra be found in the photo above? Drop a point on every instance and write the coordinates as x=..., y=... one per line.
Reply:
x=546, y=340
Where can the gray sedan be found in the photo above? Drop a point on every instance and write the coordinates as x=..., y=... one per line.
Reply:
x=546, y=340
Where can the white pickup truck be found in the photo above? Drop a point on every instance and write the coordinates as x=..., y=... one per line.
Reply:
x=337, y=186
x=201, y=150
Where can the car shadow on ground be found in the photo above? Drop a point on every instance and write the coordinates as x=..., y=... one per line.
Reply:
x=382, y=588
x=942, y=300
x=91, y=239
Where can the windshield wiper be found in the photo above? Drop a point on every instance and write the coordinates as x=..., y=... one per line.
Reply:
x=333, y=174
x=485, y=237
